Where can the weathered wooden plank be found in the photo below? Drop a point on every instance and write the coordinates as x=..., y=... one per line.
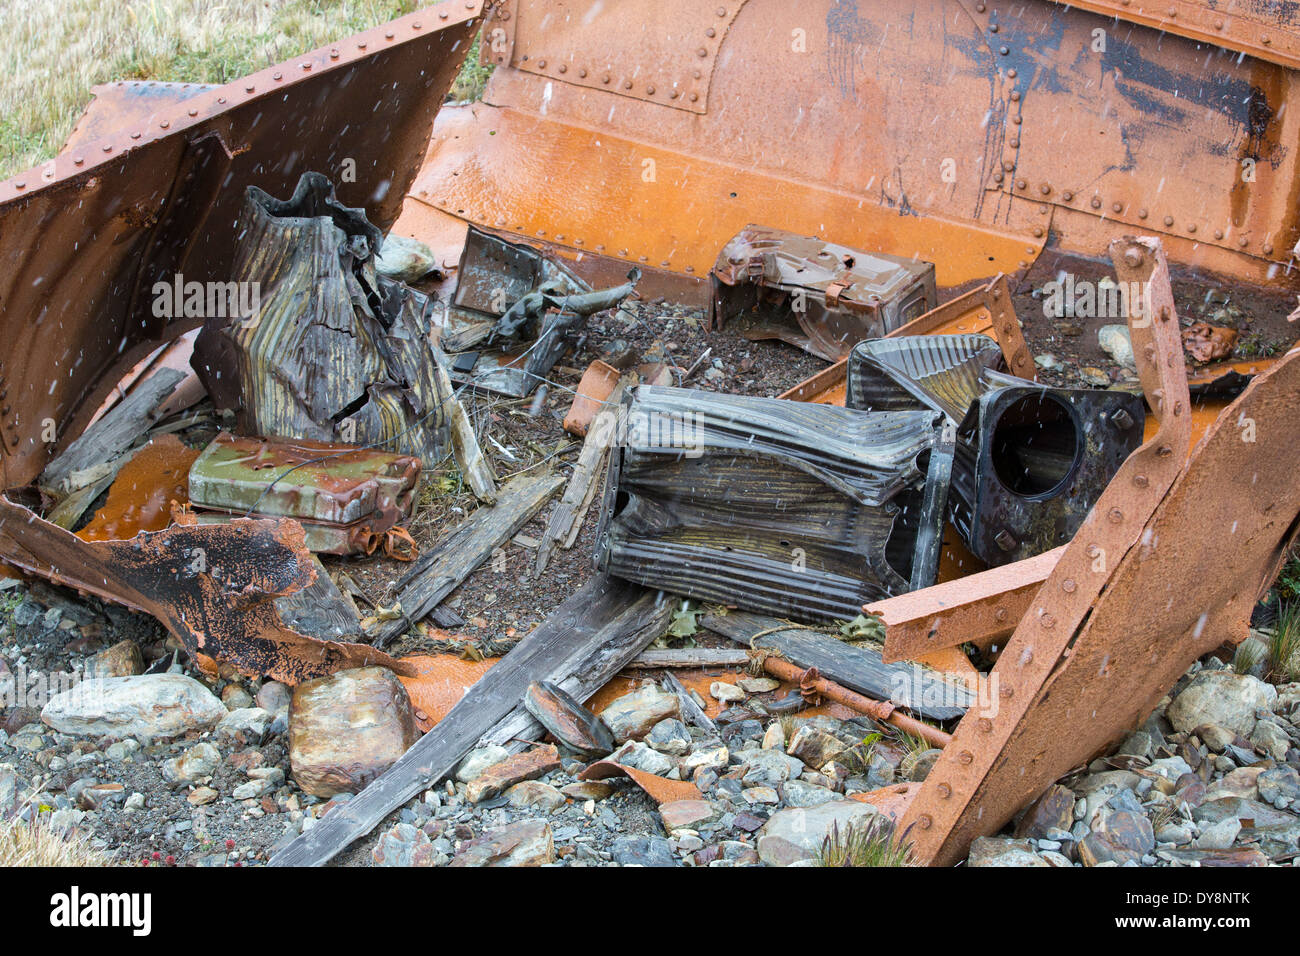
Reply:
x=438, y=573
x=576, y=623
x=122, y=426
x=857, y=668
x=691, y=657
x=566, y=520
x=692, y=711
x=592, y=664
x=320, y=610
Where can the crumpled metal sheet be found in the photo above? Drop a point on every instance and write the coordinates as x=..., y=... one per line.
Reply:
x=816, y=295
x=1030, y=460
x=337, y=352
x=798, y=510
x=213, y=587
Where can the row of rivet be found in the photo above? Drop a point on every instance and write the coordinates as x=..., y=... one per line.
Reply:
x=248, y=88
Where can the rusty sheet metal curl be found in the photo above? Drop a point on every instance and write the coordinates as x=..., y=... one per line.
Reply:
x=213, y=587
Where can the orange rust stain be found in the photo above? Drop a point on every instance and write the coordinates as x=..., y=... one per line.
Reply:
x=141, y=496
x=440, y=681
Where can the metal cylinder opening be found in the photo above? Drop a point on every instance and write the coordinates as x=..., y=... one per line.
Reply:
x=1035, y=446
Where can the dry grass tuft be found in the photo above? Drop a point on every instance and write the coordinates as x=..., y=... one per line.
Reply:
x=866, y=844
x=56, y=50
x=35, y=844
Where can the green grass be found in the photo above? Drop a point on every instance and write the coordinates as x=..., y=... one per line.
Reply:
x=56, y=50
x=865, y=844
x=1284, y=644
x=1246, y=657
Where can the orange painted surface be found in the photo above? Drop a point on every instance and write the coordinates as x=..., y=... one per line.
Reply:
x=486, y=165
x=441, y=680
x=140, y=499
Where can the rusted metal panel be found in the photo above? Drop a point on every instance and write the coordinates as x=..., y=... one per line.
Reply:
x=976, y=609
x=665, y=53
x=213, y=587
x=79, y=246
x=127, y=103
x=836, y=296
x=1211, y=549
x=952, y=807
x=1268, y=32
x=1045, y=132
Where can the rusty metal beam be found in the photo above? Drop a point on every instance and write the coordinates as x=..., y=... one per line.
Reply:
x=949, y=810
x=977, y=609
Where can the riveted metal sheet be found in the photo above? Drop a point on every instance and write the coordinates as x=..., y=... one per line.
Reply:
x=663, y=52
x=1100, y=114
x=1266, y=31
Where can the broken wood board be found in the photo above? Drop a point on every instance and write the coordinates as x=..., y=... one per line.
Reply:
x=95, y=452
x=858, y=668
x=574, y=631
x=566, y=520
x=690, y=657
x=320, y=609
x=441, y=571
x=691, y=711
x=593, y=664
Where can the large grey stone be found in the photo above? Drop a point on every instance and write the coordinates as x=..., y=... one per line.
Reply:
x=149, y=705
x=1219, y=697
x=632, y=716
x=798, y=833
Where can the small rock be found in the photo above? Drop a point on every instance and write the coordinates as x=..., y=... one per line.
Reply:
x=236, y=698
x=760, y=795
x=534, y=793
x=527, y=843
x=273, y=697
x=632, y=716
x=121, y=660
x=477, y=761
x=813, y=746
x=670, y=737
x=250, y=790
x=1279, y=783
x=677, y=814
x=710, y=758
x=498, y=778
x=1003, y=851
x=1054, y=810
x=202, y=795
x=248, y=724
x=1119, y=837
x=147, y=706
x=774, y=737
x=798, y=833
x=640, y=850
x=347, y=729
x=1218, y=836
x=769, y=768
x=640, y=757
x=404, y=845
x=195, y=765
x=758, y=685
x=1271, y=739
x=1115, y=342
x=1218, y=697
x=588, y=790
x=725, y=692
x=1216, y=738
x=798, y=793
x=404, y=258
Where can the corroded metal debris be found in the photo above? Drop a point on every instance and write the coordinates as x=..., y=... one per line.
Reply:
x=802, y=511
x=817, y=295
x=347, y=499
